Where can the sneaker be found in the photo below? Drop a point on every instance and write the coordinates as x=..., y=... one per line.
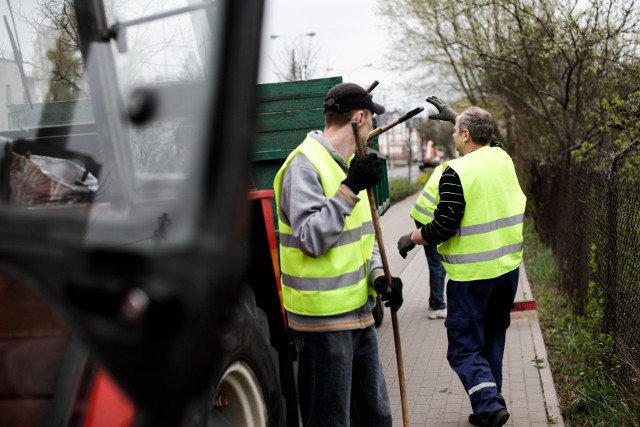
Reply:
x=497, y=418
x=434, y=314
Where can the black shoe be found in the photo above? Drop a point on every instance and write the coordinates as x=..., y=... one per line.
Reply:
x=497, y=418
x=476, y=419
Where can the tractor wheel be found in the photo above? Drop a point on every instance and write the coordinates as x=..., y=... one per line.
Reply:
x=246, y=386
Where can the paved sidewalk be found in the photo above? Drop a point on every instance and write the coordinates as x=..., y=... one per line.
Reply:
x=435, y=396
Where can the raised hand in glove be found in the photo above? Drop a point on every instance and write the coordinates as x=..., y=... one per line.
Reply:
x=392, y=294
x=445, y=112
x=364, y=172
x=405, y=244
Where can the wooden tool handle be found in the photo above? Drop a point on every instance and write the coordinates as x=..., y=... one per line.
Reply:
x=385, y=265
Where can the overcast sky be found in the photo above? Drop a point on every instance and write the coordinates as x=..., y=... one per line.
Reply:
x=349, y=36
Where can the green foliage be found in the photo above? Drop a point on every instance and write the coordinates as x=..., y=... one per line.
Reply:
x=541, y=265
x=424, y=176
x=542, y=67
x=65, y=58
x=582, y=154
x=593, y=264
x=579, y=351
x=62, y=86
x=595, y=401
x=401, y=188
x=618, y=152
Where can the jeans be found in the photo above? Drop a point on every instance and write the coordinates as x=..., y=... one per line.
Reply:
x=340, y=379
x=477, y=321
x=436, y=276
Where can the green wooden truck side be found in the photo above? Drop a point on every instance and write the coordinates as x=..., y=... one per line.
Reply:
x=286, y=113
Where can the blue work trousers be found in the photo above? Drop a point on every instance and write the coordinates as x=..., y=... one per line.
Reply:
x=436, y=276
x=477, y=320
x=340, y=379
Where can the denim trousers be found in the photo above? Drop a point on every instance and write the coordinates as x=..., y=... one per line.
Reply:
x=477, y=320
x=436, y=276
x=340, y=379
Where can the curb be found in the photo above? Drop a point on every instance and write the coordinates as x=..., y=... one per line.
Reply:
x=554, y=416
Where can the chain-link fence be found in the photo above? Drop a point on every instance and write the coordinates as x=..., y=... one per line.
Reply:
x=591, y=220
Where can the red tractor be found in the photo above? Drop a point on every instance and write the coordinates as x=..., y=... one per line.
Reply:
x=139, y=275
x=130, y=253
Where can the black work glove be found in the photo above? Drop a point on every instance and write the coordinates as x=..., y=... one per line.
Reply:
x=405, y=244
x=445, y=112
x=364, y=172
x=392, y=294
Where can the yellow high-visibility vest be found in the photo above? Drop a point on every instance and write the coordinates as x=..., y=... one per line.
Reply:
x=422, y=210
x=335, y=282
x=489, y=241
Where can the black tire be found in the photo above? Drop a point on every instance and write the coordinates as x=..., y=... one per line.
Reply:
x=246, y=385
x=378, y=312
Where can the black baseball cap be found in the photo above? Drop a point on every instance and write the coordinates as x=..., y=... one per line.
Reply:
x=345, y=97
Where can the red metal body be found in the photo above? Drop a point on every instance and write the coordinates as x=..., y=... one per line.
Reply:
x=264, y=197
x=108, y=405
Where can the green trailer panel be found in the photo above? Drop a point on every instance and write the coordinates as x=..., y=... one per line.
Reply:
x=286, y=113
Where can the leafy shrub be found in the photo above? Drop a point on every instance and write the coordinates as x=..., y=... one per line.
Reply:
x=580, y=353
x=401, y=188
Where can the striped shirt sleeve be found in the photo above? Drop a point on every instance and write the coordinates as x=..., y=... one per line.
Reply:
x=449, y=212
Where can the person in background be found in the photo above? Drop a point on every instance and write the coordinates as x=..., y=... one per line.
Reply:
x=422, y=214
x=331, y=267
x=477, y=226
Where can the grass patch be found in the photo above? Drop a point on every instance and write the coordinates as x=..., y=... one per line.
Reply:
x=401, y=188
x=580, y=354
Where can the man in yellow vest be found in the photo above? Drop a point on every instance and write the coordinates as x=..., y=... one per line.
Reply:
x=331, y=267
x=478, y=229
x=422, y=214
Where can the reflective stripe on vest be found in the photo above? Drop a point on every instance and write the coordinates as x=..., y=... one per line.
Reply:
x=422, y=210
x=335, y=282
x=489, y=241
x=347, y=237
